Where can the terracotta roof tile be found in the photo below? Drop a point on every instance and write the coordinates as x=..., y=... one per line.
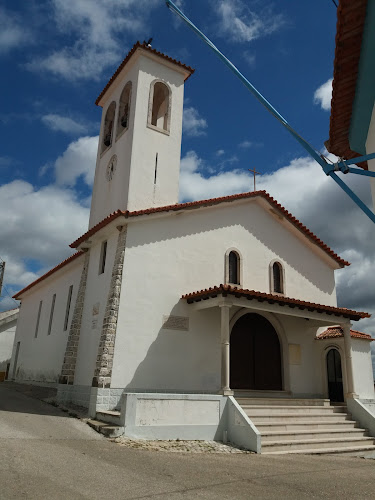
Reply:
x=272, y=299
x=210, y=202
x=350, y=21
x=51, y=271
x=127, y=58
x=334, y=332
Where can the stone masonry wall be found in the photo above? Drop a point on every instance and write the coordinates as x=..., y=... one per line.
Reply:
x=70, y=358
x=104, y=361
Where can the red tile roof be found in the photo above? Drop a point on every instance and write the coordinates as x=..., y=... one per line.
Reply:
x=334, y=332
x=51, y=271
x=226, y=290
x=127, y=58
x=350, y=21
x=210, y=202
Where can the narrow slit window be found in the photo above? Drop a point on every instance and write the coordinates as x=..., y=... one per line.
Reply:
x=109, y=122
x=156, y=168
x=234, y=268
x=67, y=311
x=277, y=277
x=160, y=106
x=38, y=319
x=103, y=255
x=51, y=314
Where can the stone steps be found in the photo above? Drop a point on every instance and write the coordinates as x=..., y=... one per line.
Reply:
x=109, y=416
x=108, y=430
x=317, y=443
x=306, y=426
x=242, y=401
x=256, y=410
x=354, y=451
x=311, y=434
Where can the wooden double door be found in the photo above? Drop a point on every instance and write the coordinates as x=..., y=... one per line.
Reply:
x=255, y=356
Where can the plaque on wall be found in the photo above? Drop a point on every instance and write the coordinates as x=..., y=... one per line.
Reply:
x=176, y=323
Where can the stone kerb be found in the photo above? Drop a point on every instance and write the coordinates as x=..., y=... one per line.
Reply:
x=104, y=362
x=70, y=358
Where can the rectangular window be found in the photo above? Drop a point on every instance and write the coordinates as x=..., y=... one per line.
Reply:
x=51, y=314
x=103, y=255
x=68, y=308
x=38, y=319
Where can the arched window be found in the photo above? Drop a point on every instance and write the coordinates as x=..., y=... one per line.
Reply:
x=160, y=108
x=124, y=109
x=108, y=126
x=233, y=268
x=277, y=278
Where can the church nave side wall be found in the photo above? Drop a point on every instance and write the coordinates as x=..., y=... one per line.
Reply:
x=41, y=354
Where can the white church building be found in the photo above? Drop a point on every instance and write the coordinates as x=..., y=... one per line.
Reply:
x=215, y=319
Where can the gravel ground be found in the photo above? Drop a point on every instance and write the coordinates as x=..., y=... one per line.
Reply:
x=179, y=446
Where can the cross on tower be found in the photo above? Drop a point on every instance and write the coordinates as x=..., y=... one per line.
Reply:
x=255, y=173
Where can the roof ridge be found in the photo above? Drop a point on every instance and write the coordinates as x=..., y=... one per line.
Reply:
x=214, y=201
x=126, y=59
x=48, y=273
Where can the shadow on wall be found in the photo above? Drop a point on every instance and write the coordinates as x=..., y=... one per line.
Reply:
x=254, y=219
x=180, y=360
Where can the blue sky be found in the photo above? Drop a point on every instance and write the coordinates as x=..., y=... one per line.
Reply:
x=56, y=57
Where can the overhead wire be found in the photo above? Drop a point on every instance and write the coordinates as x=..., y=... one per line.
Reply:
x=334, y=3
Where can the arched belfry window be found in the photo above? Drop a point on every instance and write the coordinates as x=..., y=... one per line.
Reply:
x=159, y=112
x=277, y=278
x=108, y=126
x=124, y=109
x=233, y=269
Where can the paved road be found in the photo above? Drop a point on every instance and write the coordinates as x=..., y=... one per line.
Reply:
x=46, y=455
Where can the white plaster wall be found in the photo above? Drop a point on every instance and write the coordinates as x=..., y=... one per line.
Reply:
x=370, y=148
x=306, y=373
x=97, y=288
x=132, y=186
x=40, y=359
x=362, y=369
x=166, y=258
x=7, y=332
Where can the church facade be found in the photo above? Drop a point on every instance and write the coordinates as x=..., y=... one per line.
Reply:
x=172, y=309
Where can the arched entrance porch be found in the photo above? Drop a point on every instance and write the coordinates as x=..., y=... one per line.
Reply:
x=255, y=354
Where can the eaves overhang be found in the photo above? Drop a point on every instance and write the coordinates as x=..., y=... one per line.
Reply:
x=285, y=305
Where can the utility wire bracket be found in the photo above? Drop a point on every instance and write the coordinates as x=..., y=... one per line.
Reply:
x=328, y=168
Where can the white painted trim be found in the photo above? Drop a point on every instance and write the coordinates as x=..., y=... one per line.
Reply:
x=239, y=265
x=324, y=353
x=150, y=103
x=270, y=272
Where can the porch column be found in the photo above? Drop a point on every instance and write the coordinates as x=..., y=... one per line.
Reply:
x=225, y=347
x=349, y=361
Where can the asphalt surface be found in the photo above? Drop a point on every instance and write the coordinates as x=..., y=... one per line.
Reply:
x=45, y=454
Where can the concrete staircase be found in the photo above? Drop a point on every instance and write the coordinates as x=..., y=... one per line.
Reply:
x=107, y=423
x=311, y=426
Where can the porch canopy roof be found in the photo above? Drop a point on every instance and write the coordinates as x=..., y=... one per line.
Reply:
x=213, y=297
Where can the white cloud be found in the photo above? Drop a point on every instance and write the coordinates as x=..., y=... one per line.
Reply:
x=220, y=152
x=97, y=32
x=193, y=124
x=249, y=58
x=241, y=24
x=13, y=34
x=77, y=161
x=36, y=225
x=323, y=95
x=64, y=124
x=245, y=144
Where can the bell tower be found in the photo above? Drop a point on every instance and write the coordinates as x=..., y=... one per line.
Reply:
x=138, y=160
